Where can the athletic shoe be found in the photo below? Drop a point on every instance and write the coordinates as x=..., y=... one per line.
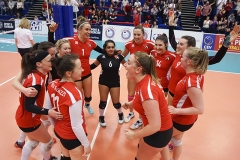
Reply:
x=89, y=108
x=170, y=146
x=19, y=145
x=102, y=121
x=121, y=118
x=137, y=124
x=130, y=116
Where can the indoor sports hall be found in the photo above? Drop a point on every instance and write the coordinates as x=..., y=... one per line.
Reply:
x=215, y=136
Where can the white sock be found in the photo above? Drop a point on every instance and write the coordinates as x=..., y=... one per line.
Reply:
x=46, y=154
x=22, y=137
x=26, y=151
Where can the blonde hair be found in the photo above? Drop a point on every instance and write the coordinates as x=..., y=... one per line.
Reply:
x=148, y=64
x=199, y=59
x=60, y=42
x=25, y=23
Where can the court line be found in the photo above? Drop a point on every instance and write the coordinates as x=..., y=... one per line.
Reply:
x=222, y=72
x=7, y=81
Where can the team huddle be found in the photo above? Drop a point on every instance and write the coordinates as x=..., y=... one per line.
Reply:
x=164, y=87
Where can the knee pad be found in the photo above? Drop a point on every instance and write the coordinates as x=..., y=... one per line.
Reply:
x=88, y=99
x=31, y=144
x=65, y=158
x=176, y=142
x=46, y=146
x=117, y=105
x=102, y=104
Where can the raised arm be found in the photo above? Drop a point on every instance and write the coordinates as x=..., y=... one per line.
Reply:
x=171, y=36
x=52, y=29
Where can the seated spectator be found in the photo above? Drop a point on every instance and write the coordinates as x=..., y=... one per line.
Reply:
x=102, y=3
x=165, y=15
x=19, y=7
x=94, y=7
x=172, y=5
x=178, y=8
x=100, y=16
x=3, y=8
x=100, y=8
x=222, y=25
x=206, y=25
x=160, y=8
x=154, y=25
x=219, y=5
x=146, y=24
x=11, y=4
x=237, y=7
x=214, y=25
x=113, y=17
x=137, y=3
x=105, y=18
x=221, y=13
x=111, y=9
x=94, y=17
x=115, y=3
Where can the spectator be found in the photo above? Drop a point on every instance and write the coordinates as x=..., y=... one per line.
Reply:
x=105, y=18
x=35, y=18
x=219, y=5
x=178, y=8
x=237, y=7
x=206, y=10
x=154, y=12
x=111, y=9
x=137, y=3
x=221, y=13
x=3, y=7
x=214, y=24
x=231, y=20
x=238, y=15
x=154, y=25
x=145, y=12
x=146, y=24
x=115, y=3
x=124, y=3
x=197, y=15
x=102, y=2
x=75, y=5
x=127, y=12
x=19, y=7
x=11, y=4
x=136, y=19
x=206, y=25
x=113, y=17
x=222, y=25
x=86, y=11
x=172, y=5
x=228, y=7
x=94, y=18
x=160, y=8
x=165, y=15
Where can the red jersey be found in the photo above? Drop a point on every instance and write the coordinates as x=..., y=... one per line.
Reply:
x=63, y=95
x=181, y=99
x=176, y=73
x=24, y=118
x=145, y=46
x=83, y=50
x=136, y=20
x=147, y=89
x=163, y=65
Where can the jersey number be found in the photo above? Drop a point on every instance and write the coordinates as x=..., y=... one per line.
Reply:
x=110, y=64
x=82, y=52
x=55, y=101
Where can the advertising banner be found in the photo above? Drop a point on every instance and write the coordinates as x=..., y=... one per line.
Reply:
x=234, y=47
x=96, y=32
x=38, y=28
x=208, y=42
x=6, y=25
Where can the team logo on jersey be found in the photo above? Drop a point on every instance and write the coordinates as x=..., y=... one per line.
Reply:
x=153, y=83
x=167, y=58
x=76, y=42
x=110, y=32
x=132, y=45
x=116, y=57
x=126, y=34
x=146, y=47
x=89, y=45
x=103, y=56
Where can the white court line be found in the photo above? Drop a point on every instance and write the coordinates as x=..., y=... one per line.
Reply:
x=7, y=81
x=222, y=72
x=98, y=127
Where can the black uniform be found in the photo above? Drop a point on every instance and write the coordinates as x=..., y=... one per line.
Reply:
x=109, y=75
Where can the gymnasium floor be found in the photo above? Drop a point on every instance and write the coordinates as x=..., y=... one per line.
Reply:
x=215, y=136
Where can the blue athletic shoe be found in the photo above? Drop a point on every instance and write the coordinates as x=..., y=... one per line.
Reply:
x=89, y=108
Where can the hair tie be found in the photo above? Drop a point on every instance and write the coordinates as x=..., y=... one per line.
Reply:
x=83, y=24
